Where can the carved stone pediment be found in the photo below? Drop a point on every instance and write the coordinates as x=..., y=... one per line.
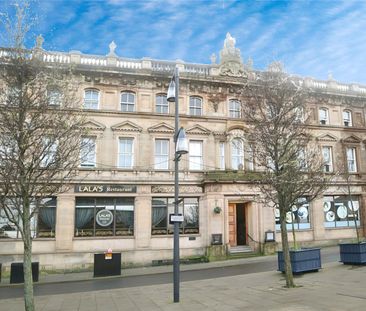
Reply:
x=220, y=135
x=126, y=126
x=198, y=130
x=93, y=125
x=161, y=128
x=351, y=140
x=327, y=137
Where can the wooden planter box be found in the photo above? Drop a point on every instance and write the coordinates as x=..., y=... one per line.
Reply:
x=353, y=253
x=302, y=260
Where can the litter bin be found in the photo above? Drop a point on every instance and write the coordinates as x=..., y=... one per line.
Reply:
x=107, y=264
x=17, y=272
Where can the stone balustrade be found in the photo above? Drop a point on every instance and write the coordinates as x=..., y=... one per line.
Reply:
x=76, y=57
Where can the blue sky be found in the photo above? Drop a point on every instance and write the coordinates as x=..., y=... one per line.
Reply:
x=312, y=38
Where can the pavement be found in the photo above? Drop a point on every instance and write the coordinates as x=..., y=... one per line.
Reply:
x=335, y=287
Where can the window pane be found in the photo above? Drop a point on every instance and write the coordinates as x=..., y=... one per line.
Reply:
x=87, y=152
x=91, y=99
x=125, y=159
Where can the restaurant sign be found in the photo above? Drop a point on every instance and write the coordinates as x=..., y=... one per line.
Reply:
x=85, y=188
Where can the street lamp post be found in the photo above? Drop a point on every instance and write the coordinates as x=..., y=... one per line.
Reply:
x=181, y=147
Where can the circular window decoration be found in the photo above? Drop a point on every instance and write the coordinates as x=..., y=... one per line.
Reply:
x=104, y=218
x=327, y=206
x=342, y=212
x=289, y=217
x=330, y=216
x=302, y=213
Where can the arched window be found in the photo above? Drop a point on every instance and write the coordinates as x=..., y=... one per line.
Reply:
x=237, y=154
x=234, y=108
x=127, y=101
x=91, y=99
x=195, y=106
x=161, y=104
x=347, y=118
x=323, y=116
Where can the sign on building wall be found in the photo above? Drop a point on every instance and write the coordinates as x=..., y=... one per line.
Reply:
x=105, y=188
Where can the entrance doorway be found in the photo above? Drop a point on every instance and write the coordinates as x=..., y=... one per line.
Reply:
x=237, y=224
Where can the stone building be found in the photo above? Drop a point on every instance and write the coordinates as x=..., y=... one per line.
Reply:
x=125, y=186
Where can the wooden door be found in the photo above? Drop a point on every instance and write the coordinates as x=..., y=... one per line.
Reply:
x=232, y=224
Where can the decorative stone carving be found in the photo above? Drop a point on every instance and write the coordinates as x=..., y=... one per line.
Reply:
x=215, y=99
x=112, y=47
x=182, y=189
x=275, y=67
x=126, y=126
x=213, y=59
x=93, y=125
x=161, y=128
x=351, y=140
x=39, y=42
x=327, y=137
x=231, y=63
x=198, y=130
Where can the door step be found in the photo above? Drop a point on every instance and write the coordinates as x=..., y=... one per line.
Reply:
x=241, y=249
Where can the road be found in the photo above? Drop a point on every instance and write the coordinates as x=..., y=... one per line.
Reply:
x=328, y=255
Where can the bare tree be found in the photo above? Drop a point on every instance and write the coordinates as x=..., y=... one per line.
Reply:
x=40, y=135
x=284, y=148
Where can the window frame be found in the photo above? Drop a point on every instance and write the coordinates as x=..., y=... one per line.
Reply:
x=329, y=206
x=294, y=210
x=168, y=229
x=194, y=108
x=193, y=157
x=91, y=101
x=353, y=159
x=131, y=155
x=323, y=120
x=328, y=163
x=236, y=111
x=98, y=206
x=237, y=155
x=347, y=122
x=86, y=164
x=222, y=155
x=159, y=164
x=161, y=105
x=128, y=104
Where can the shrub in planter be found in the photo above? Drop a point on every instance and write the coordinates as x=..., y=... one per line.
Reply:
x=353, y=253
x=302, y=260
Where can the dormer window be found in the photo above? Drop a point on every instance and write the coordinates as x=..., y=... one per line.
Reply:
x=323, y=116
x=347, y=118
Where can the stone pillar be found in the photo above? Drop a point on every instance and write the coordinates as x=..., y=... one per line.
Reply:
x=317, y=219
x=75, y=57
x=143, y=218
x=146, y=63
x=65, y=220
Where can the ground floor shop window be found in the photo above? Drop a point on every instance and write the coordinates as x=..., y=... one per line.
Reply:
x=162, y=207
x=104, y=217
x=42, y=224
x=338, y=211
x=298, y=218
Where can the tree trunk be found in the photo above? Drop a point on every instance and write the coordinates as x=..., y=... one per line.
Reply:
x=286, y=253
x=28, y=280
